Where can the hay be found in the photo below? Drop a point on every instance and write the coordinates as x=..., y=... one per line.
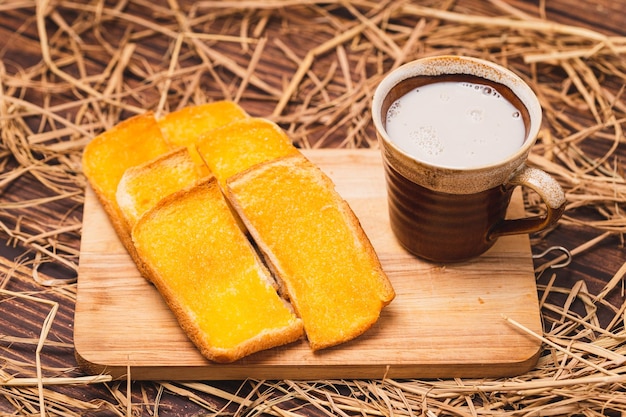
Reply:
x=311, y=66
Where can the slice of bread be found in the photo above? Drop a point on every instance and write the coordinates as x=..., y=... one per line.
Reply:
x=237, y=146
x=315, y=246
x=185, y=126
x=143, y=186
x=211, y=277
x=106, y=158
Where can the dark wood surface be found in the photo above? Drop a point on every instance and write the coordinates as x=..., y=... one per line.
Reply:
x=21, y=318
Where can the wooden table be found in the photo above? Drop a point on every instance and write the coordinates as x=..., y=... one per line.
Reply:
x=22, y=318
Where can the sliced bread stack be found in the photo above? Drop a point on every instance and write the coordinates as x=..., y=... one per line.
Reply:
x=185, y=196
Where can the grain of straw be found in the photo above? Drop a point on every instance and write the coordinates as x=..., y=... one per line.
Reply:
x=332, y=54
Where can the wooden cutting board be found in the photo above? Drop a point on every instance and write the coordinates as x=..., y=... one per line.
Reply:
x=446, y=320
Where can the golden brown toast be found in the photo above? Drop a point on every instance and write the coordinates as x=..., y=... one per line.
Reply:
x=210, y=276
x=143, y=186
x=185, y=126
x=235, y=147
x=315, y=246
x=106, y=158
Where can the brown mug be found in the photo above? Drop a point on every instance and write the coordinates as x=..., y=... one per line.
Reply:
x=443, y=211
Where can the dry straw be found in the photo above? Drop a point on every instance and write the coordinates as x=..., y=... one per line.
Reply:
x=310, y=66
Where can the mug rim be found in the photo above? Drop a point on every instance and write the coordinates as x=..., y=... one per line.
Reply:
x=453, y=65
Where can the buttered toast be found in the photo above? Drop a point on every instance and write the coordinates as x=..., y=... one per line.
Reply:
x=143, y=186
x=315, y=246
x=210, y=276
x=107, y=157
x=185, y=126
x=237, y=146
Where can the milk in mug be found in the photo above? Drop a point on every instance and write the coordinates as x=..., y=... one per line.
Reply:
x=456, y=124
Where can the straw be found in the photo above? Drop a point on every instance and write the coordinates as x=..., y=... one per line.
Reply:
x=312, y=67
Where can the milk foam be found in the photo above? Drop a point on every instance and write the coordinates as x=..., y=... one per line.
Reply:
x=455, y=124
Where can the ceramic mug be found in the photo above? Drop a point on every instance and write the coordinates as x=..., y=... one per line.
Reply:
x=441, y=210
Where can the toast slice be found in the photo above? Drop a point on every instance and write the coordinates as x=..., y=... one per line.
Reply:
x=185, y=126
x=235, y=147
x=143, y=186
x=106, y=158
x=315, y=246
x=223, y=297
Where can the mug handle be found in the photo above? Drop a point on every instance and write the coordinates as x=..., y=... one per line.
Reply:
x=550, y=192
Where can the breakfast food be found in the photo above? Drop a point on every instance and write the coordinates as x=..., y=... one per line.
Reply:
x=142, y=138
x=130, y=143
x=143, y=186
x=183, y=192
x=235, y=147
x=315, y=246
x=185, y=126
x=223, y=297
